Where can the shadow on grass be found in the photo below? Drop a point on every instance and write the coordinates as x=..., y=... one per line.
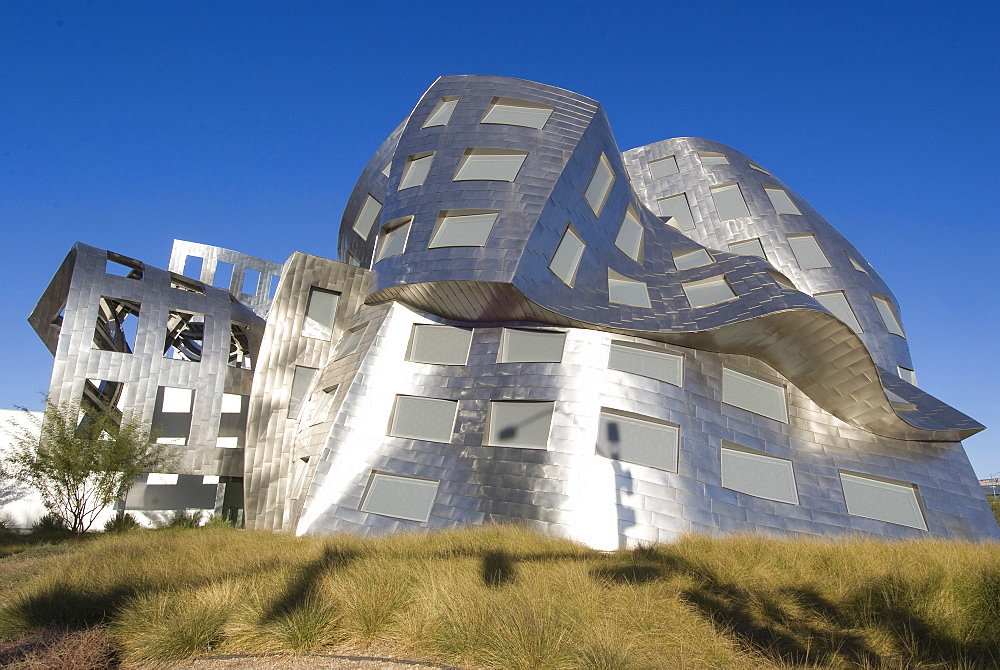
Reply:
x=306, y=583
x=498, y=568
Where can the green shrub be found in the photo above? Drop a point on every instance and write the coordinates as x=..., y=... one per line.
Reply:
x=121, y=524
x=995, y=506
x=218, y=522
x=50, y=526
x=183, y=519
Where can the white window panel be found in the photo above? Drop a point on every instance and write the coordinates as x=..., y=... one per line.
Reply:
x=647, y=362
x=884, y=501
x=888, y=315
x=490, y=165
x=692, y=258
x=439, y=345
x=428, y=419
x=367, y=217
x=531, y=346
x=210, y=480
x=173, y=441
x=754, y=395
x=508, y=112
x=837, y=304
x=600, y=185
x=161, y=479
x=758, y=474
x=227, y=442
x=807, y=252
x=907, y=374
x=519, y=424
x=663, y=167
x=780, y=201
x=749, y=248
x=676, y=207
x=628, y=292
x=729, y=202
x=177, y=401
x=441, y=114
x=392, y=242
x=630, y=235
x=463, y=228
x=302, y=379
x=713, y=158
x=708, y=292
x=400, y=497
x=643, y=441
x=232, y=403
x=566, y=259
x=416, y=170
x=320, y=312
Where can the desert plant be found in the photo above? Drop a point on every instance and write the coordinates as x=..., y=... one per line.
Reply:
x=121, y=524
x=218, y=522
x=183, y=519
x=49, y=525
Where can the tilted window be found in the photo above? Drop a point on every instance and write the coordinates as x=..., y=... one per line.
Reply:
x=519, y=424
x=641, y=440
x=677, y=209
x=408, y=498
x=441, y=114
x=510, y=112
x=708, y=291
x=600, y=185
x=757, y=474
x=463, y=228
x=490, y=165
x=430, y=419
x=440, y=345
x=872, y=498
x=647, y=362
x=566, y=260
x=754, y=395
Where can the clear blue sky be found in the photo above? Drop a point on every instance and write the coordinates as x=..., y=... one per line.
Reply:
x=124, y=125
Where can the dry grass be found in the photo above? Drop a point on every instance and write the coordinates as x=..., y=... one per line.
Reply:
x=502, y=597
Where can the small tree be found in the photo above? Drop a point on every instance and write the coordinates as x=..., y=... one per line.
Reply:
x=82, y=460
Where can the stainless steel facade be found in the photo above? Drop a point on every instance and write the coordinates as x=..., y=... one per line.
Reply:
x=501, y=203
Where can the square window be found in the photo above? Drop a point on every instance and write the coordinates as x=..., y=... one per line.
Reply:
x=837, y=304
x=748, y=248
x=630, y=236
x=416, y=170
x=807, y=252
x=531, y=346
x=440, y=115
x=232, y=403
x=321, y=310
x=185, y=338
x=757, y=474
x=510, y=112
x=663, y=167
x=406, y=498
x=754, y=395
x=490, y=165
x=627, y=291
x=635, y=439
x=883, y=500
x=780, y=201
x=463, y=228
x=117, y=325
x=647, y=361
x=430, y=419
x=566, y=259
x=192, y=266
x=519, y=424
x=600, y=185
x=708, y=291
x=439, y=345
x=392, y=241
x=367, y=217
x=729, y=202
x=692, y=258
x=677, y=210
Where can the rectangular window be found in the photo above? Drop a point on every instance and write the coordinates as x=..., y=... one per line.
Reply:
x=640, y=440
x=857, y=266
x=239, y=346
x=754, y=166
x=250, y=280
x=272, y=287
x=836, y=303
x=416, y=170
x=172, y=415
x=232, y=403
x=182, y=283
x=117, y=325
x=407, y=498
x=185, y=336
x=439, y=345
x=223, y=277
x=907, y=374
x=349, y=342
x=627, y=291
x=519, y=424
x=713, y=158
x=509, y=112
x=392, y=240
x=367, y=217
x=748, y=248
x=320, y=405
x=807, y=252
x=161, y=479
x=692, y=258
x=192, y=267
x=600, y=185
x=463, y=228
x=103, y=394
x=566, y=259
x=677, y=209
x=321, y=309
x=780, y=201
x=757, y=474
x=708, y=291
x=888, y=315
x=531, y=346
x=122, y=266
x=663, y=167
x=892, y=502
x=440, y=115
x=754, y=395
x=302, y=379
x=490, y=165
x=729, y=202
x=233, y=421
x=630, y=235
x=647, y=362
x=428, y=419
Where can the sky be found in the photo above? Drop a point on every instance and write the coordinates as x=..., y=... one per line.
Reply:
x=125, y=125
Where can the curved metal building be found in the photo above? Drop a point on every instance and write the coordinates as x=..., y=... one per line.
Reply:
x=530, y=326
